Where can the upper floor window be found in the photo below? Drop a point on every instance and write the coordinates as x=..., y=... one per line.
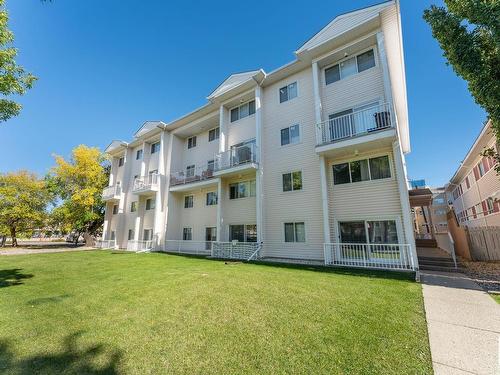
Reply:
x=288, y=92
x=242, y=189
x=192, y=142
x=121, y=161
x=188, y=201
x=155, y=147
x=361, y=170
x=213, y=134
x=290, y=135
x=211, y=198
x=292, y=181
x=243, y=111
x=138, y=154
x=349, y=67
x=133, y=206
x=115, y=209
x=150, y=204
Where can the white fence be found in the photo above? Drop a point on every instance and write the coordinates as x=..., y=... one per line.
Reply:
x=144, y=183
x=105, y=244
x=382, y=256
x=364, y=121
x=133, y=245
x=236, y=250
x=188, y=247
x=236, y=156
x=111, y=192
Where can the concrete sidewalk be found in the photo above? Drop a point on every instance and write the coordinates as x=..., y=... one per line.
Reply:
x=463, y=323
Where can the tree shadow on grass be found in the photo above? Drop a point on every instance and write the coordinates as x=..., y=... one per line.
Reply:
x=73, y=359
x=13, y=277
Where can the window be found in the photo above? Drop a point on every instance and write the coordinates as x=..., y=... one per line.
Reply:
x=190, y=170
x=147, y=235
x=242, y=111
x=295, y=232
x=192, y=142
x=188, y=201
x=155, y=147
x=481, y=169
x=130, y=234
x=243, y=233
x=288, y=92
x=115, y=209
x=242, y=189
x=113, y=235
x=138, y=154
x=376, y=232
x=467, y=183
x=350, y=66
x=121, y=161
x=211, y=198
x=187, y=234
x=362, y=170
x=490, y=205
x=133, y=206
x=290, y=135
x=150, y=204
x=213, y=134
x=292, y=181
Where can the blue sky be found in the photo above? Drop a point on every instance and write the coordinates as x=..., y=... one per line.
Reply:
x=106, y=66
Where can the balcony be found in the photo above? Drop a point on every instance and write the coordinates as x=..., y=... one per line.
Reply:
x=105, y=244
x=111, y=193
x=184, y=180
x=238, y=159
x=140, y=246
x=145, y=185
x=371, y=126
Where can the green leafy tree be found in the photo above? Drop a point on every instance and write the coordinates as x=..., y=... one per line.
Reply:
x=14, y=80
x=79, y=183
x=23, y=202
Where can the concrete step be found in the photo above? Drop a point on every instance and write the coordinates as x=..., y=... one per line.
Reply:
x=426, y=243
x=424, y=267
x=436, y=261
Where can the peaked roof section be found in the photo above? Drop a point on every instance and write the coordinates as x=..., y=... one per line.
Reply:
x=115, y=145
x=343, y=23
x=147, y=127
x=235, y=80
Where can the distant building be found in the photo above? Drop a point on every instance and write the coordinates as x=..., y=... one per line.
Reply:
x=415, y=184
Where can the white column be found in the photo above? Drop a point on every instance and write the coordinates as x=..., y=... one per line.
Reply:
x=159, y=204
x=146, y=148
x=324, y=199
x=405, y=199
x=166, y=195
x=121, y=231
x=220, y=220
x=222, y=129
x=105, y=226
x=317, y=97
x=259, y=196
x=138, y=220
x=385, y=67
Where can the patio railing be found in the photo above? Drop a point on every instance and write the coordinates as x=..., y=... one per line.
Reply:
x=146, y=183
x=199, y=173
x=140, y=246
x=382, y=256
x=374, y=118
x=188, y=247
x=236, y=156
x=111, y=192
x=236, y=250
x=105, y=244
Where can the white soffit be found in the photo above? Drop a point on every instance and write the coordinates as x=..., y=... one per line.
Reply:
x=235, y=80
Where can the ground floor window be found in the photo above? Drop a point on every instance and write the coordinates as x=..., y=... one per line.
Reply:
x=130, y=234
x=187, y=234
x=243, y=232
x=295, y=232
x=147, y=235
x=112, y=235
x=369, y=231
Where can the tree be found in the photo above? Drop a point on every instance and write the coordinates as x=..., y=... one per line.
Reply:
x=14, y=80
x=23, y=202
x=79, y=184
x=468, y=32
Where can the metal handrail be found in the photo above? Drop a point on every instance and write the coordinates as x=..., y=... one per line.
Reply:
x=111, y=191
x=199, y=173
x=146, y=182
x=236, y=156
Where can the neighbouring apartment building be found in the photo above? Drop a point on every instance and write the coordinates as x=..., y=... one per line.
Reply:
x=432, y=219
x=305, y=162
x=474, y=188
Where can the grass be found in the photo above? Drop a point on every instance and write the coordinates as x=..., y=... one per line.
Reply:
x=496, y=297
x=102, y=312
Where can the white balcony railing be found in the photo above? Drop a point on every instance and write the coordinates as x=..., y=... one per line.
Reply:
x=236, y=250
x=365, y=121
x=188, y=247
x=195, y=174
x=111, y=192
x=146, y=183
x=105, y=244
x=236, y=156
x=382, y=256
x=133, y=245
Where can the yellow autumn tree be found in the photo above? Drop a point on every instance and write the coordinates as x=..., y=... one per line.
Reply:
x=79, y=182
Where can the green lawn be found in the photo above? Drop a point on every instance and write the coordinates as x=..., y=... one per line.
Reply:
x=496, y=297
x=105, y=312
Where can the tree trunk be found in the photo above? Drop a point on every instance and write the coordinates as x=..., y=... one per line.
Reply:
x=89, y=240
x=13, y=236
x=2, y=241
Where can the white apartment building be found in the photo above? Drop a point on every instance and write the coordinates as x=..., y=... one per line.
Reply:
x=302, y=163
x=474, y=188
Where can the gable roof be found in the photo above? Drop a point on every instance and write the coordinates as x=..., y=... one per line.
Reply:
x=147, y=127
x=235, y=80
x=115, y=145
x=343, y=23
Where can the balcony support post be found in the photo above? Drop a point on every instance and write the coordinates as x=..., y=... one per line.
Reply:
x=222, y=129
x=220, y=199
x=122, y=204
x=385, y=68
x=324, y=199
x=317, y=98
x=159, y=219
x=259, y=173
